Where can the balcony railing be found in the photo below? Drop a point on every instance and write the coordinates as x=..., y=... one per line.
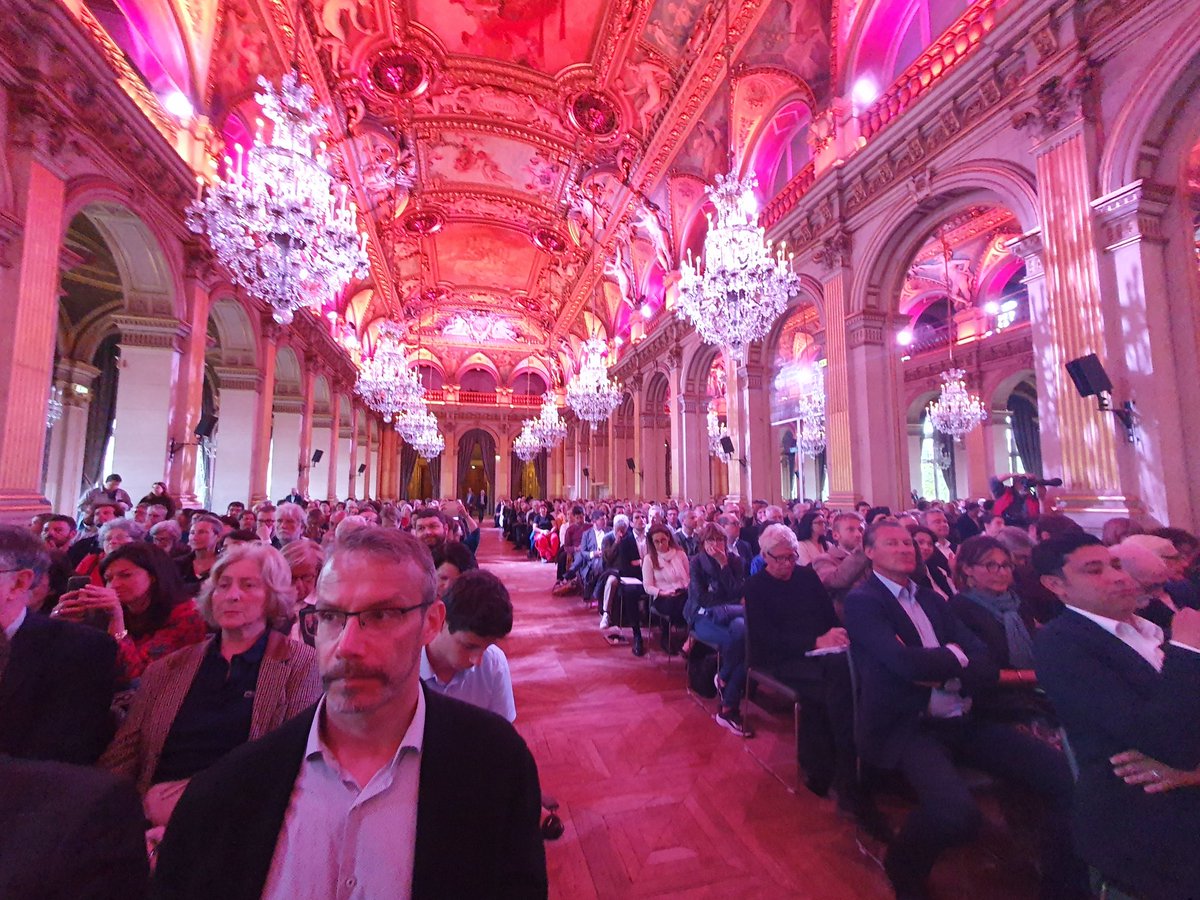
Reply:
x=788, y=197
x=478, y=398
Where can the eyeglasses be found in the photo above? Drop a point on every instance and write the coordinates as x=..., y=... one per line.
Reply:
x=786, y=557
x=994, y=567
x=329, y=624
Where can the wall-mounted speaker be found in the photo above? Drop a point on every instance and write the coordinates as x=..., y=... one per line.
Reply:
x=586, y=473
x=362, y=467
x=1089, y=376
x=727, y=444
x=629, y=463
x=206, y=426
x=317, y=454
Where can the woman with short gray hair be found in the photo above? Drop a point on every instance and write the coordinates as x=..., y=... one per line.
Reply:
x=113, y=534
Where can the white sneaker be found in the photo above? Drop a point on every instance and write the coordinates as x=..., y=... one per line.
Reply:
x=603, y=621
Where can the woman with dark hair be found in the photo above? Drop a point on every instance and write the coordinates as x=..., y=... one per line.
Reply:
x=158, y=496
x=810, y=532
x=933, y=571
x=988, y=605
x=665, y=576
x=143, y=601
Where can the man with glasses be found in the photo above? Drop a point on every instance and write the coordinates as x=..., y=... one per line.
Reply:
x=383, y=789
x=56, y=677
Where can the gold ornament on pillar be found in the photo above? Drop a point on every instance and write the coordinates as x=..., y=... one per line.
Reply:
x=956, y=411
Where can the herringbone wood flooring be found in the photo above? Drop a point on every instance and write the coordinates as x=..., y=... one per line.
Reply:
x=657, y=800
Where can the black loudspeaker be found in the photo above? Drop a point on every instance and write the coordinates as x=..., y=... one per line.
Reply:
x=586, y=473
x=1089, y=376
x=727, y=444
x=629, y=463
x=207, y=425
x=362, y=468
x=317, y=454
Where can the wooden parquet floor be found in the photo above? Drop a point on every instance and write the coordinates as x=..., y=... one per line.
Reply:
x=657, y=799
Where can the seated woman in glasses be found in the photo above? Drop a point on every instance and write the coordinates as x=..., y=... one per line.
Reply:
x=199, y=703
x=988, y=605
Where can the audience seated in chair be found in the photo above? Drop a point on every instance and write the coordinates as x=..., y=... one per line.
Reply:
x=1126, y=696
x=918, y=667
x=665, y=576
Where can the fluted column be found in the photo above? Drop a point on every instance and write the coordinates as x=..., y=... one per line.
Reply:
x=188, y=388
x=636, y=485
x=613, y=460
x=450, y=484
x=30, y=242
x=68, y=437
x=504, y=487
x=369, y=426
x=834, y=256
x=233, y=467
x=356, y=420
x=304, y=457
x=875, y=423
x=261, y=463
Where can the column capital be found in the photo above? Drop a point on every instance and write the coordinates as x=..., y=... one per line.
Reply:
x=867, y=326
x=1060, y=104
x=75, y=378
x=833, y=253
x=141, y=331
x=238, y=378
x=1132, y=213
x=1031, y=248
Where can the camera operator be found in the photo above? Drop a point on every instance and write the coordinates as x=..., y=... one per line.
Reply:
x=1021, y=501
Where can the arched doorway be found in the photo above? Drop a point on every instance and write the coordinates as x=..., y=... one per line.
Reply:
x=476, y=467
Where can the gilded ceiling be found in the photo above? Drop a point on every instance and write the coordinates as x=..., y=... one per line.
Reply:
x=538, y=162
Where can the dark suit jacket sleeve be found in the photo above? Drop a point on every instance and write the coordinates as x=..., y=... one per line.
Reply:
x=77, y=723
x=1094, y=696
x=872, y=632
x=524, y=872
x=107, y=853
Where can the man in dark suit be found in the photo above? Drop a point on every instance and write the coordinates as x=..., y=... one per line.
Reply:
x=917, y=666
x=56, y=678
x=1118, y=687
x=384, y=788
x=69, y=832
x=735, y=544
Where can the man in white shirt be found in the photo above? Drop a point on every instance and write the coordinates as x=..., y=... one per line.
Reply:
x=463, y=661
x=1130, y=704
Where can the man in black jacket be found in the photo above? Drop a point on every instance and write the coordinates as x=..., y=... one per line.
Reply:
x=917, y=667
x=56, y=678
x=383, y=788
x=1118, y=687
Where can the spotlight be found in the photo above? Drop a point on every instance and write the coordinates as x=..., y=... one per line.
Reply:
x=904, y=338
x=178, y=105
x=864, y=92
x=619, y=341
x=992, y=308
x=647, y=311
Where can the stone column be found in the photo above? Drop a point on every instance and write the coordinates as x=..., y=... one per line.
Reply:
x=304, y=456
x=1160, y=468
x=1078, y=442
x=571, y=474
x=237, y=422
x=450, y=462
x=637, y=477
x=369, y=425
x=260, y=468
x=615, y=464
x=333, y=453
x=188, y=389
x=876, y=427
x=504, y=487
x=149, y=357
x=679, y=457
x=30, y=243
x=750, y=405
x=356, y=420
x=68, y=437
x=697, y=471
x=319, y=473
x=833, y=257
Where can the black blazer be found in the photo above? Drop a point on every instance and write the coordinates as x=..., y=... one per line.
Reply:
x=56, y=691
x=69, y=832
x=710, y=584
x=477, y=822
x=895, y=671
x=1109, y=700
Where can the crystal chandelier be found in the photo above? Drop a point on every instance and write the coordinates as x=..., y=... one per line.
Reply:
x=716, y=432
x=591, y=393
x=385, y=381
x=812, y=415
x=549, y=428
x=526, y=446
x=54, y=407
x=275, y=221
x=956, y=411
x=420, y=431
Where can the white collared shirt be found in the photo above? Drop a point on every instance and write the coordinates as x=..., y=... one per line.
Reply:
x=347, y=842
x=487, y=685
x=11, y=631
x=1142, y=636
x=946, y=702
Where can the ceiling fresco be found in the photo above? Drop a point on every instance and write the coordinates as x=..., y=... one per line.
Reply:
x=539, y=161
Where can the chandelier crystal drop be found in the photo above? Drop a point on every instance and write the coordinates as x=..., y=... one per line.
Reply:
x=744, y=285
x=956, y=411
x=276, y=221
x=526, y=446
x=591, y=393
x=385, y=381
x=54, y=407
x=717, y=430
x=549, y=427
